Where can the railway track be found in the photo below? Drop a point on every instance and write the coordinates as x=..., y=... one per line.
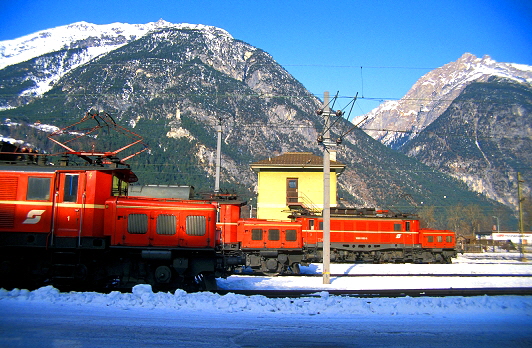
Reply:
x=384, y=292
x=454, y=275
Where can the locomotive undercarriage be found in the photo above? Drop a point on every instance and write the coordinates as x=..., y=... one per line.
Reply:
x=367, y=253
x=29, y=261
x=274, y=262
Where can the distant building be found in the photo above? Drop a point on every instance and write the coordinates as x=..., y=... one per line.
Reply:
x=294, y=178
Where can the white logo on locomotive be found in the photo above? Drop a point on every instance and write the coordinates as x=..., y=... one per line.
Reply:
x=34, y=216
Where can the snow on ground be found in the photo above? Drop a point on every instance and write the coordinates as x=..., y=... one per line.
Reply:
x=488, y=263
x=47, y=317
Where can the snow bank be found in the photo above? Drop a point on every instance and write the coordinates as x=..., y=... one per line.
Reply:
x=322, y=303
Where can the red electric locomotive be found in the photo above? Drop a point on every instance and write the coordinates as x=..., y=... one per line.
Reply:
x=377, y=237
x=77, y=226
x=268, y=247
x=364, y=235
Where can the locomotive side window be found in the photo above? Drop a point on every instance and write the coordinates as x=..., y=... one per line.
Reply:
x=273, y=234
x=430, y=239
x=196, y=225
x=439, y=239
x=291, y=235
x=38, y=189
x=70, y=193
x=449, y=239
x=119, y=187
x=311, y=224
x=397, y=227
x=256, y=234
x=137, y=223
x=166, y=224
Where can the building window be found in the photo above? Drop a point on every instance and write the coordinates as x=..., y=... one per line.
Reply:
x=137, y=223
x=196, y=225
x=291, y=190
x=38, y=189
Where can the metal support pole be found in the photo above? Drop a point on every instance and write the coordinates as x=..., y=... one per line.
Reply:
x=218, y=156
x=521, y=225
x=326, y=193
x=498, y=230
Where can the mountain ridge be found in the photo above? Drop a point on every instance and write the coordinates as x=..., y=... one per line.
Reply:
x=173, y=86
x=431, y=95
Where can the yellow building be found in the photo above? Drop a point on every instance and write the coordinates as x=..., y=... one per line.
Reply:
x=292, y=178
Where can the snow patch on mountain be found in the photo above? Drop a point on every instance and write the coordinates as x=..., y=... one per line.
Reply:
x=106, y=37
x=395, y=122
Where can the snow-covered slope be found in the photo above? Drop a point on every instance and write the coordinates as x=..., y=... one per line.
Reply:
x=431, y=95
x=98, y=38
x=54, y=52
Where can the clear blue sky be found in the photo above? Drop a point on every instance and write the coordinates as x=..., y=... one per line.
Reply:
x=323, y=44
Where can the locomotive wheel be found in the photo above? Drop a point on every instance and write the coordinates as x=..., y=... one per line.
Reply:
x=163, y=274
x=271, y=267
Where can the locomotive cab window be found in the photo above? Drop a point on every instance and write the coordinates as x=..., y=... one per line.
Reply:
x=70, y=192
x=196, y=225
x=38, y=189
x=407, y=226
x=397, y=227
x=119, y=187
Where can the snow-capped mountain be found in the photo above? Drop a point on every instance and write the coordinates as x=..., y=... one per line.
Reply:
x=54, y=52
x=172, y=83
x=394, y=123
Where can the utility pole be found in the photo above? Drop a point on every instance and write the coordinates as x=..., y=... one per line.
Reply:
x=218, y=156
x=326, y=191
x=521, y=225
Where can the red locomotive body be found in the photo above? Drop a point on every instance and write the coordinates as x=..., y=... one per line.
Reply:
x=378, y=238
x=77, y=226
x=364, y=236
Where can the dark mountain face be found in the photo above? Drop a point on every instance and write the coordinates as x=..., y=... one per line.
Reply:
x=173, y=86
x=483, y=138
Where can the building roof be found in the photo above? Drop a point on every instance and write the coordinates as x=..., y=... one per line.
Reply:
x=297, y=160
